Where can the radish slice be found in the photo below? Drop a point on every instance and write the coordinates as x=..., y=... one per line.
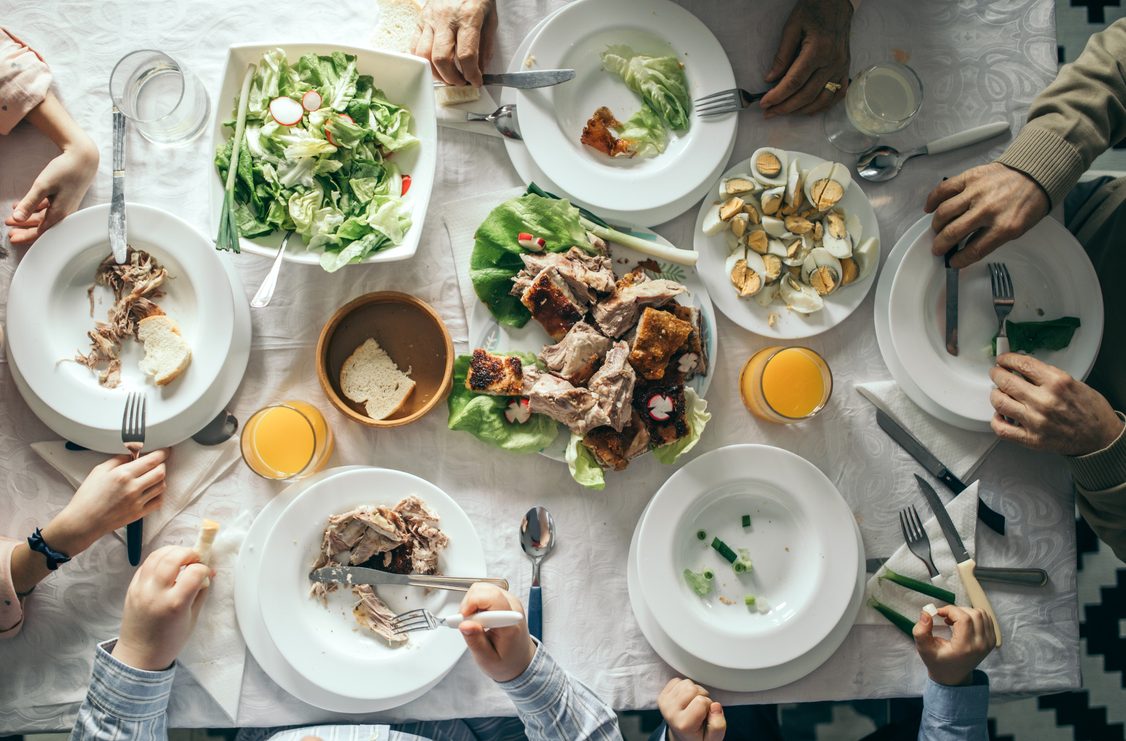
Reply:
x=286, y=111
x=406, y=185
x=530, y=242
x=518, y=411
x=311, y=100
x=328, y=133
x=660, y=407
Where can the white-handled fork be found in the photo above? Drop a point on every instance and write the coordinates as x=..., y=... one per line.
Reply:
x=409, y=622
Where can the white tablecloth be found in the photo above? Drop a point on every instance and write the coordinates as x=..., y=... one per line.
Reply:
x=978, y=62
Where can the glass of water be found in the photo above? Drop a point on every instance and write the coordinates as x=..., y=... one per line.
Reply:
x=164, y=100
x=882, y=99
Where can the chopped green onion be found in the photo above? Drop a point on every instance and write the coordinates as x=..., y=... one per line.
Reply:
x=746, y=520
x=749, y=600
x=709, y=574
x=740, y=566
x=898, y=620
x=922, y=587
x=743, y=564
x=701, y=534
x=722, y=549
x=701, y=583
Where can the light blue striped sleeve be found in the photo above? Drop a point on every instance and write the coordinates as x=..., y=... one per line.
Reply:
x=123, y=703
x=956, y=713
x=552, y=705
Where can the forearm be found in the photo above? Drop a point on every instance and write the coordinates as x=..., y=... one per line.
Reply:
x=123, y=703
x=1076, y=118
x=1100, y=483
x=552, y=705
x=956, y=713
x=52, y=118
x=29, y=567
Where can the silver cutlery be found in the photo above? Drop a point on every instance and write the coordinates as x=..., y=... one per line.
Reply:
x=882, y=163
x=916, y=537
x=966, y=565
x=990, y=517
x=133, y=438
x=952, y=297
x=269, y=283
x=503, y=118
x=422, y=619
x=537, y=538
x=350, y=575
x=1029, y=577
x=1003, y=301
x=528, y=79
x=117, y=232
x=726, y=101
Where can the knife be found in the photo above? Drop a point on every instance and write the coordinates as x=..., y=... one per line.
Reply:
x=350, y=575
x=117, y=199
x=530, y=78
x=966, y=564
x=952, y=300
x=1000, y=574
x=992, y=519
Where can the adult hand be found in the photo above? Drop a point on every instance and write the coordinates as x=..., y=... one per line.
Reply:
x=458, y=37
x=161, y=607
x=55, y=194
x=502, y=653
x=116, y=492
x=953, y=662
x=997, y=202
x=1049, y=410
x=689, y=713
x=813, y=51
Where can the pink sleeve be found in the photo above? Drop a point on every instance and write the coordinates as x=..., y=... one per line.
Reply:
x=24, y=80
x=11, y=611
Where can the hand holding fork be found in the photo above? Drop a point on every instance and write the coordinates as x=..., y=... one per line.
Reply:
x=133, y=437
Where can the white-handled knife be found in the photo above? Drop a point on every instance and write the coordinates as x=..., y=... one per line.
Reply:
x=117, y=232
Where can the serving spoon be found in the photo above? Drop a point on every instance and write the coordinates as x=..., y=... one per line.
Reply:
x=537, y=538
x=503, y=118
x=266, y=290
x=882, y=162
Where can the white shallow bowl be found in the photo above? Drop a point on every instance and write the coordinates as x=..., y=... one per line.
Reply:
x=48, y=317
x=552, y=119
x=324, y=644
x=1052, y=277
x=747, y=313
x=404, y=78
x=804, y=559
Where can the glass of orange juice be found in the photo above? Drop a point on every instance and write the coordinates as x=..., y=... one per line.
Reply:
x=285, y=441
x=785, y=384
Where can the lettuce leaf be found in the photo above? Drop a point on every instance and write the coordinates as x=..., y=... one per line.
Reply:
x=660, y=81
x=582, y=465
x=696, y=409
x=644, y=133
x=1049, y=334
x=483, y=416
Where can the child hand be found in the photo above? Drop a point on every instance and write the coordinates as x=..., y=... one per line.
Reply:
x=952, y=662
x=161, y=607
x=689, y=713
x=502, y=653
x=55, y=194
x=116, y=492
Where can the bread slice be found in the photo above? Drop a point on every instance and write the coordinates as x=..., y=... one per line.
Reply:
x=398, y=25
x=167, y=354
x=370, y=377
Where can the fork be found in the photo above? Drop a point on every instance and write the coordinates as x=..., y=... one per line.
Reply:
x=133, y=437
x=422, y=619
x=1002, y=301
x=916, y=537
x=726, y=101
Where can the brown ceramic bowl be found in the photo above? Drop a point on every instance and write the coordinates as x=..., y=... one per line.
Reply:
x=409, y=330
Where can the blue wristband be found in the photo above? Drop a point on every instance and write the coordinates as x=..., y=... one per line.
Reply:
x=54, y=558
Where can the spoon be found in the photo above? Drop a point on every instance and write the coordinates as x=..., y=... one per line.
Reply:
x=503, y=119
x=537, y=538
x=882, y=163
x=218, y=430
x=266, y=290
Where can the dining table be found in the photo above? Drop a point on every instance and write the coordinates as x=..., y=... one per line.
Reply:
x=978, y=62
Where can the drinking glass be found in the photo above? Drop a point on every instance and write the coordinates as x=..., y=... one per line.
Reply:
x=785, y=384
x=163, y=99
x=286, y=441
x=882, y=99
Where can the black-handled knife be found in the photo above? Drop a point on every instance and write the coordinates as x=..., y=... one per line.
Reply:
x=992, y=519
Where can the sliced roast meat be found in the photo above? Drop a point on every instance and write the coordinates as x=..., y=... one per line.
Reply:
x=612, y=385
x=552, y=303
x=372, y=613
x=578, y=354
x=575, y=407
x=618, y=314
x=613, y=449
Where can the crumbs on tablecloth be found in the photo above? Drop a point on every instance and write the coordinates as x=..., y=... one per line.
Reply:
x=900, y=55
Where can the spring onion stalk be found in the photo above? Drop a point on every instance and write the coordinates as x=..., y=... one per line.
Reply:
x=645, y=247
x=898, y=620
x=922, y=587
x=701, y=583
x=722, y=549
x=746, y=520
x=228, y=222
x=749, y=600
x=701, y=534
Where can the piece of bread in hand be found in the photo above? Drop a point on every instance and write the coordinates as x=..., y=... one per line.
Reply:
x=167, y=354
x=370, y=377
x=398, y=26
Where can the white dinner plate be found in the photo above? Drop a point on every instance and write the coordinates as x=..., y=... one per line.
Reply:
x=747, y=313
x=738, y=680
x=552, y=119
x=405, y=79
x=1052, y=277
x=803, y=559
x=487, y=333
x=323, y=643
x=49, y=315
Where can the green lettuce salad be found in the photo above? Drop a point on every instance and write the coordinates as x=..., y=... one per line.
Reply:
x=483, y=416
x=315, y=158
x=663, y=87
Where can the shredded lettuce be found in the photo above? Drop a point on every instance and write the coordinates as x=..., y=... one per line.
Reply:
x=483, y=416
x=696, y=409
x=645, y=133
x=660, y=81
x=582, y=465
x=326, y=177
